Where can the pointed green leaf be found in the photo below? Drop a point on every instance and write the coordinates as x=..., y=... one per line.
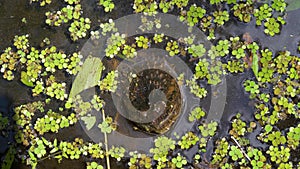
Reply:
x=255, y=64
x=25, y=79
x=88, y=77
x=89, y=121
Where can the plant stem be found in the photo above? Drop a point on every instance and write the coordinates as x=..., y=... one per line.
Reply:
x=49, y=156
x=106, y=143
x=240, y=147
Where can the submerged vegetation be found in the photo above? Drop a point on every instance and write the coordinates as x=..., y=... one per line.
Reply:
x=273, y=87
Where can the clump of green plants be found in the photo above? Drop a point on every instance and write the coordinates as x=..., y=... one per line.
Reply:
x=197, y=50
x=243, y=11
x=201, y=69
x=223, y=47
x=79, y=27
x=117, y=152
x=139, y=160
x=55, y=89
x=238, y=127
x=272, y=26
x=142, y=42
x=188, y=140
x=208, y=129
x=108, y=27
x=173, y=48
x=264, y=12
x=162, y=147
x=193, y=15
x=235, y=153
x=279, y=5
x=279, y=154
x=234, y=66
x=157, y=38
x=258, y=159
x=293, y=137
x=221, y=17
x=145, y=6
x=107, y=4
x=42, y=2
x=114, y=44
x=179, y=161
x=220, y=152
x=196, y=89
x=94, y=165
x=106, y=125
x=109, y=83
x=53, y=122
x=252, y=87
x=196, y=114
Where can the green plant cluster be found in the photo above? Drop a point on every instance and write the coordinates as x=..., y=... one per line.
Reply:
x=109, y=83
x=55, y=89
x=145, y=6
x=107, y=4
x=53, y=121
x=201, y=69
x=221, y=17
x=142, y=42
x=94, y=165
x=235, y=153
x=42, y=2
x=197, y=50
x=179, y=161
x=23, y=116
x=234, y=66
x=108, y=27
x=117, y=152
x=173, y=48
x=70, y=13
x=162, y=147
x=252, y=87
x=220, y=152
x=279, y=154
x=138, y=160
x=238, y=127
x=258, y=159
x=106, y=125
x=188, y=140
x=114, y=44
x=208, y=129
x=79, y=27
x=293, y=137
x=193, y=15
x=196, y=89
x=196, y=114
x=264, y=14
x=243, y=11
x=3, y=122
x=157, y=38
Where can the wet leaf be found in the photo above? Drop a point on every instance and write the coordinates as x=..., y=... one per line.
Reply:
x=255, y=64
x=89, y=121
x=88, y=77
x=292, y=5
x=25, y=79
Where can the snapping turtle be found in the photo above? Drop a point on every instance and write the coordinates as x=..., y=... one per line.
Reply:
x=167, y=109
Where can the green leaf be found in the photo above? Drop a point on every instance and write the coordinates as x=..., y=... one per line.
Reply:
x=89, y=121
x=25, y=79
x=292, y=5
x=88, y=77
x=255, y=65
